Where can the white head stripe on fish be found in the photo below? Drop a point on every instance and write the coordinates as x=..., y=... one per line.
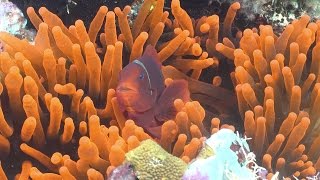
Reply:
x=145, y=69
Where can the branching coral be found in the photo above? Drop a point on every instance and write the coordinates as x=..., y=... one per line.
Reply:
x=277, y=90
x=225, y=155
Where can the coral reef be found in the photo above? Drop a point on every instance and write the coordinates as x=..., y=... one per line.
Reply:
x=58, y=94
x=58, y=97
x=278, y=13
x=11, y=18
x=13, y=21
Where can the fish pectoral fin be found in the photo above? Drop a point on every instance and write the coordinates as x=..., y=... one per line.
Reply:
x=166, y=114
x=165, y=109
x=155, y=132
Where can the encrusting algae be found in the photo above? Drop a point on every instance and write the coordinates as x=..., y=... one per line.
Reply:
x=60, y=108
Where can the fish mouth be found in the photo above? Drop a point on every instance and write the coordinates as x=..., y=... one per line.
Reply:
x=125, y=89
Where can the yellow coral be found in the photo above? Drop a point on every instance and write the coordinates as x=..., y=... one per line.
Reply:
x=152, y=162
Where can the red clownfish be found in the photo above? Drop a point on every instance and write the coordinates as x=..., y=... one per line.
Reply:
x=142, y=95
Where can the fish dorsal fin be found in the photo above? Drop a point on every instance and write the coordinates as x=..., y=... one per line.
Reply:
x=150, y=53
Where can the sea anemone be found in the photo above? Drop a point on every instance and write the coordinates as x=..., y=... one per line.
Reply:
x=277, y=90
x=58, y=95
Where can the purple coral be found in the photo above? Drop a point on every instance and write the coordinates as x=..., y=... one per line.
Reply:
x=123, y=172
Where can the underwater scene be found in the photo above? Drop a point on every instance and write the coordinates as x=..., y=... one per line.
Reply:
x=159, y=89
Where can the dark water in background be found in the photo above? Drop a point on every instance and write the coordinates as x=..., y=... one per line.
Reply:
x=85, y=9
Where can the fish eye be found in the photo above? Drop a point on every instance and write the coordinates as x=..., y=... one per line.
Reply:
x=141, y=76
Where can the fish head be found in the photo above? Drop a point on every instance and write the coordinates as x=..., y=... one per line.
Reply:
x=140, y=83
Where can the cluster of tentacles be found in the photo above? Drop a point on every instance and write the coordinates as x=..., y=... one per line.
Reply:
x=59, y=105
x=276, y=81
x=58, y=99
